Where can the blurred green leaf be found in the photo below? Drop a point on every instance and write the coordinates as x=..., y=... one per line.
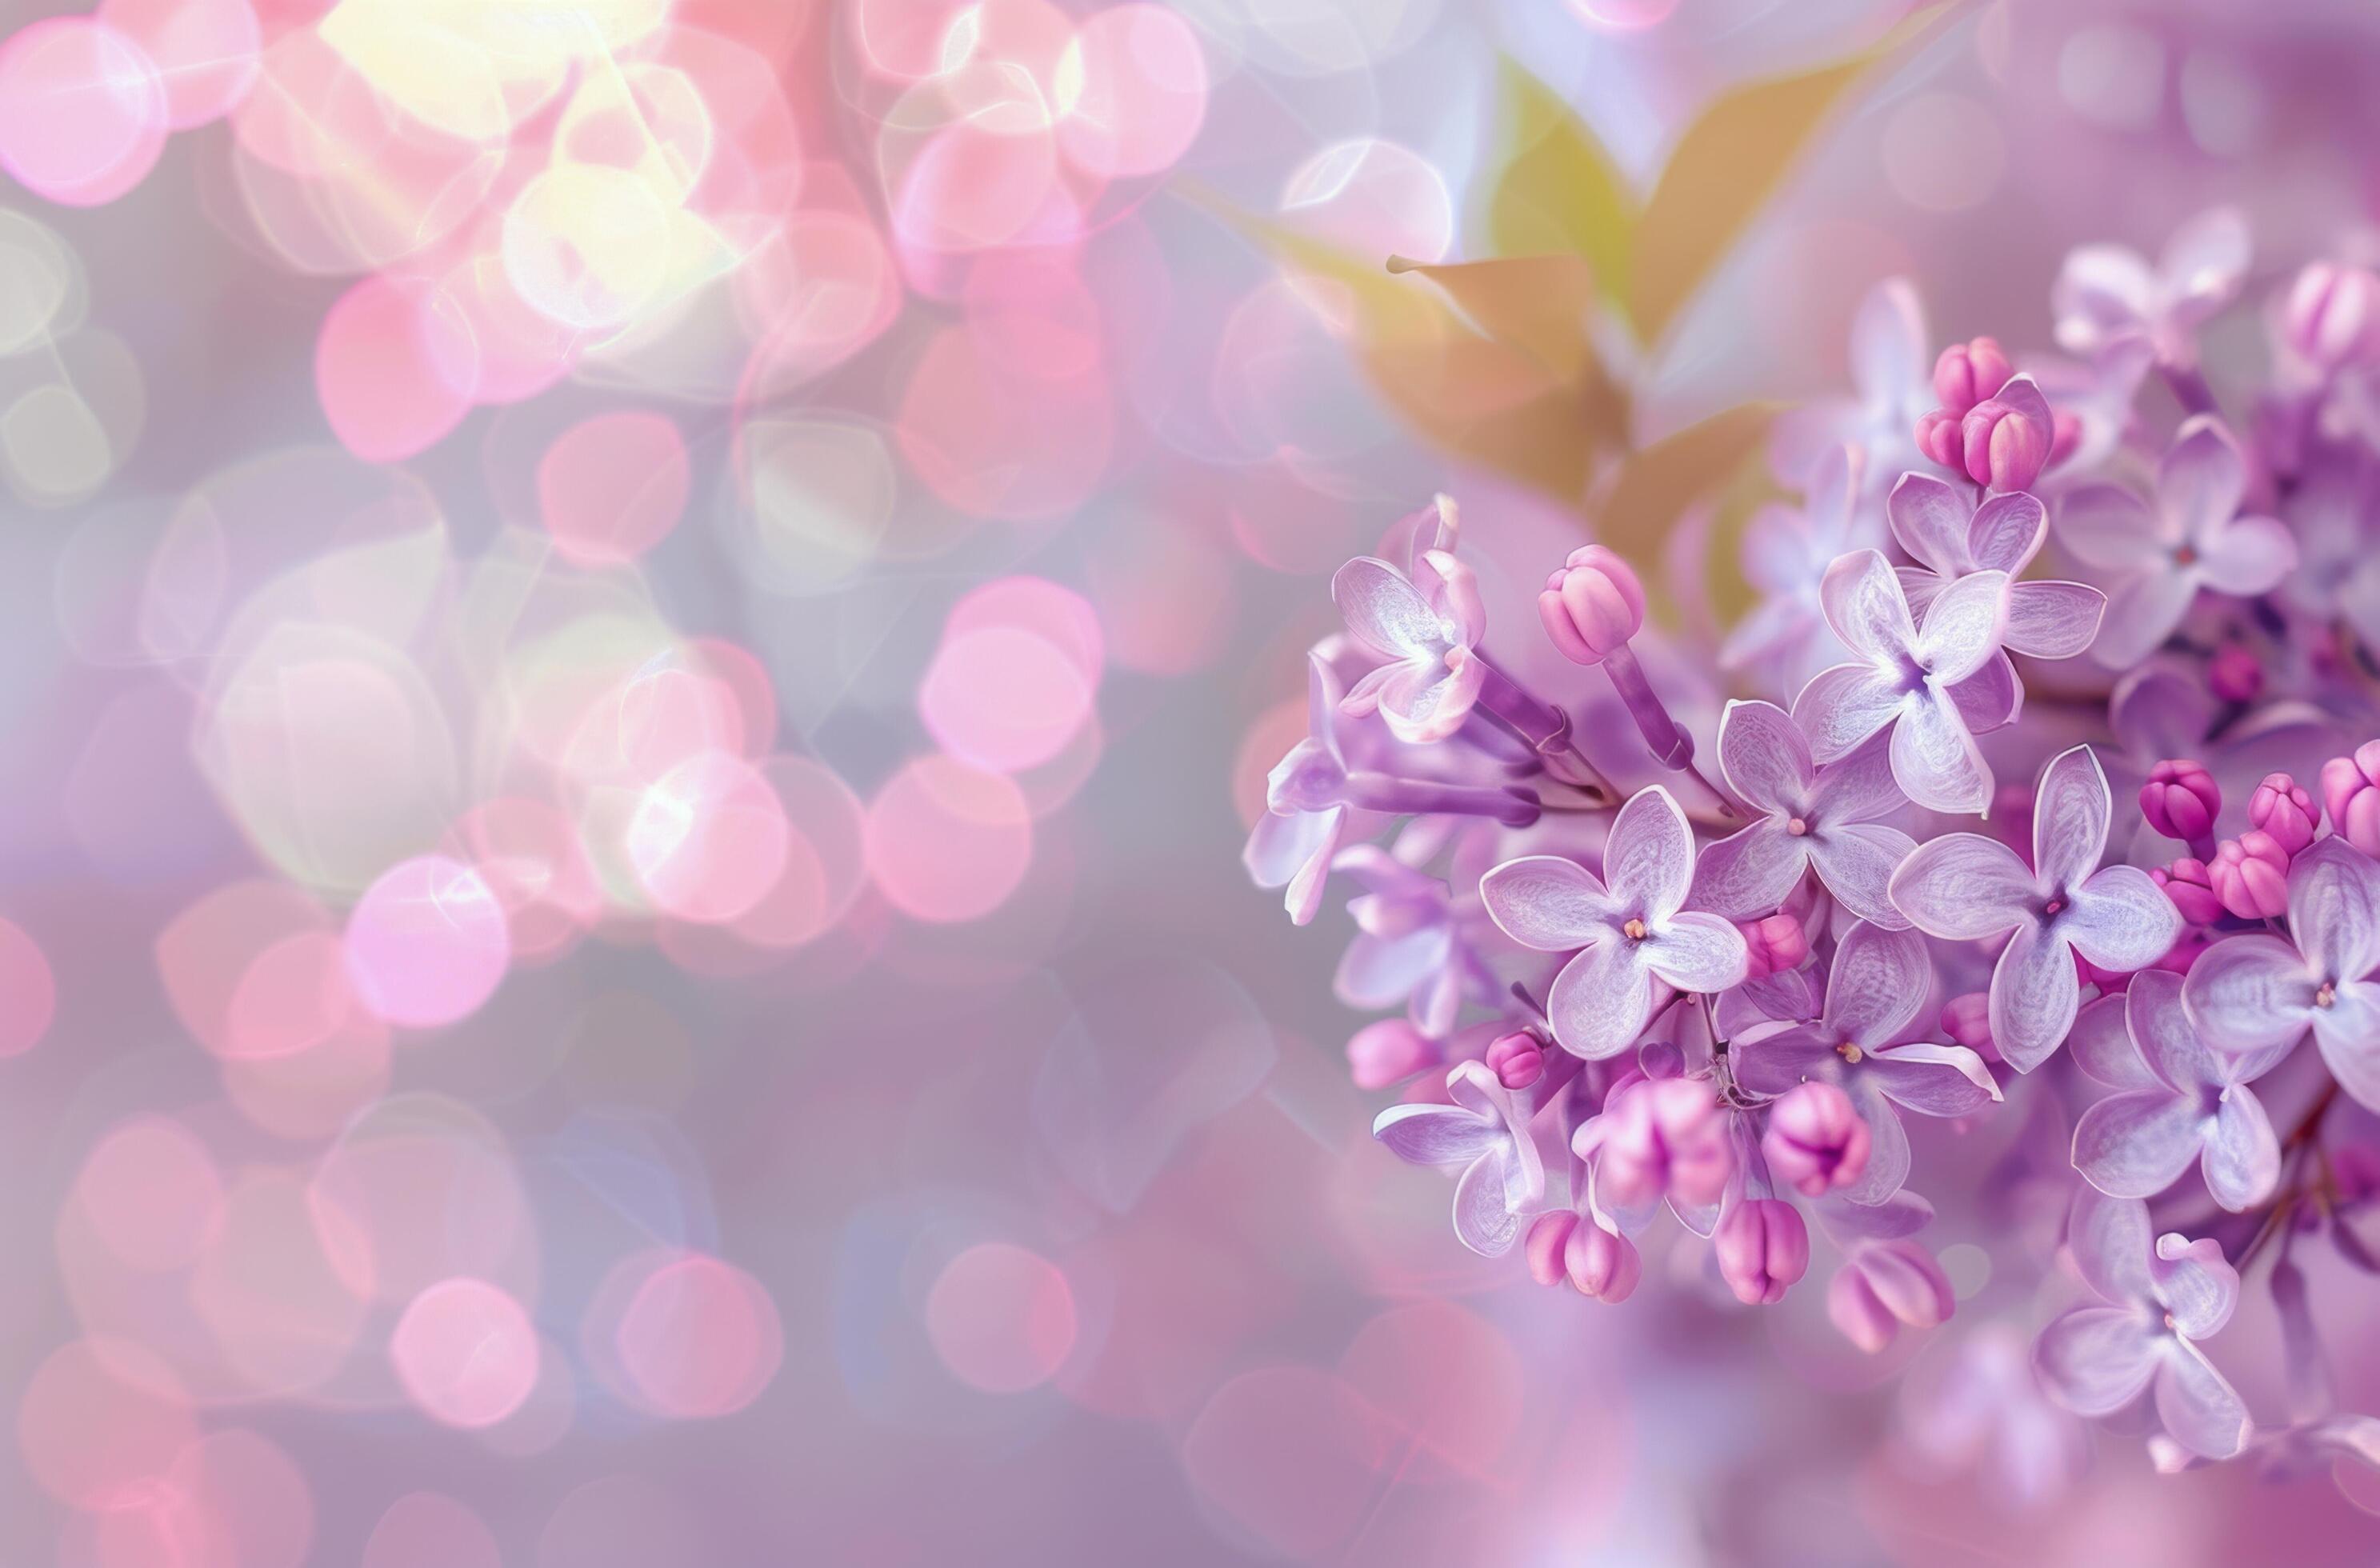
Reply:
x=1733, y=158
x=1557, y=189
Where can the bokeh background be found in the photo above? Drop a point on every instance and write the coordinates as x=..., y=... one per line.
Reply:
x=636, y=641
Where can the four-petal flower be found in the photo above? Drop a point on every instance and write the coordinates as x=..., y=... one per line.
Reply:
x=1810, y=817
x=1486, y=1131
x=1631, y=927
x=1951, y=536
x=2177, y=1102
x=2162, y=1298
x=1427, y=627
x=1967, y=887
x=2109, y=298
x=1874, y=994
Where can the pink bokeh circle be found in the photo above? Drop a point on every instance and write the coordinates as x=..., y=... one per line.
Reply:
x=947, y=841
x=82, y=111
x=428, y=944
x=397, y=366
x=1003, y=699
x=424, y=1528
x=29, y=992
x=612, y=487
x=1143, y=94
x=699, y=1338
x=153, y=1194
x=1002, y=1317
x=206, y=52
x=466, y=1353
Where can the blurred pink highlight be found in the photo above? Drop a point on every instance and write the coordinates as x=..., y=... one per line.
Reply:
x=947, y=841
x=612, y=487
x=422, y=1528
x=427, y=944
x=29, y=992
x=82, y=110
x=466, y=1353
x=1002, y=1317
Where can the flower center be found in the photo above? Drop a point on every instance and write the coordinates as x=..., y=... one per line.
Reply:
x=2325, y=996
x=2168, y=1323
x=1635, y=931
x=1850, y=1052
x=1797, y=827
x=2054, y=906
x=2186, y=556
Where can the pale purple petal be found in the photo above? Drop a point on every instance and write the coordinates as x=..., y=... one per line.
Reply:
x=1423, y=703
x=1451, y=590
x=2200, y=480
x=1696, y=952
x=2137, y=1145
x=1888, y=1148
x=1765, y=754
x=1435, y=1135
x=2103, y=294
x=1879, y=980
x=1381, y=972
x=1548, y=903
x=2248, y=556
x=1281, y=842
x=2161, y=1031
x=1775, y=1063
x=1857, y=862
x=1303, y=897
x=2112, y=1246
x=1752, y=871
x=2161, y=710
x=2053, y=620
x=2335, y=909
x=1933, y=1080
x=2095, y=1360
x=2204, y=261
x=1602, y=1000
x=2348, y=1031
x=2034, y=997
x=2197, y=1407
x=1383, y=611
x=2108, y=527
x=1364, y=697
x=2102, y=1045
x=1857, y=788
x=2243, y=1157
x=1865, y=604
x=2006, y=530
x=1841, y=707
x=1990, y=698
x=2249, y=993
x=1963, y=886
x=1962, y=627
x=2194, y=1281
x=2070, y=810
x=1483, y=1220
x=1648, y=860
x=1935, y=759
x=2142, y=611
x=1931, y=520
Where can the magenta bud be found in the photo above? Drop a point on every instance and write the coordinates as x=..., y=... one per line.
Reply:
x=1666, y=1135
x=2250, y=875
x=2332, y=315
x=1937, y=437
x=1549, y=1235
x=2181, y=801
x=2284, y=810
x=1389, y=1053
x=2234, y=674
x=2191, y=888
x=2350, y=791
x=1777, y=943
x=1592, y=604
x=1816, y=1141
x=1516, y=1059
x=1967, y=1020
x=1764, y=1249
x=1969, y=372
x=2002, y=447
x=1885, y=1285
x=1603, y=1264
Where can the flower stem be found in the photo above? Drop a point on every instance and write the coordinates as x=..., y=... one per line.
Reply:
x=1672, y=744
x=1540, y=725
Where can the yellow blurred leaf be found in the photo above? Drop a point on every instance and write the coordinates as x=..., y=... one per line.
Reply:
x=1557, y=189
x=1733, y=157
x=1656, y=486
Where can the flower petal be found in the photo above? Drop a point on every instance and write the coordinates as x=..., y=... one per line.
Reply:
x=1962, y=627
x=1303, y=897
x=1931, y=520
x=1775, y=1063
x=1857, y=862
x=1435, y=1135
x=1383, y=611
x=2034, y=997
x=1933, y=1080
x=2006, y=530
x=2143, y=608
x=2053, y=620
x=2138, y=1145
x=2121, y=920
x=1935, y=758
x=1751, y=873
x=2108, y=527
x=2204, y=261
x=1648, y=859
x=1548, y=903
x=2161, y=1031
x=2200, y=480
x=1887, y=1145
x=2111, y=1244
x=1990, y=698
x=2248, y=556
x=1857, y=788
x=1377, y=972
x=2199, y=1409
x=1451, y=590
x=2195, y=1283
x=2095, y=1360
x=1602, y=1000
x=1879, y=982
x=2348, y=1031
x=1697, y=952
x=1842, y=706
x=2103, y=294
x=1429, y=702
x=1764, y=755
x=2248, y=992
x=1483, y=1222
x=2335, y=909
x=2101, y=1044
x=2242, y=1161
x=1962, y=887
x=1865, y=604
x=2070, y=818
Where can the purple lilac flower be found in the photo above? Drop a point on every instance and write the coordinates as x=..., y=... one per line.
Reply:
x=2157, y=556
x=1908, y=679
x=1982, y=1405
x=1965, y=887
x=1631, y=929
x=1810, y=820
x=1427, y=627
x=2161, y=1297
x=2259, y=992
x=2177, y=1103
x=1875, y=992
x=1892, y=374
x=2334, y=513
x=1486, y=1131
x=2109, y=296
x=1951, y=536
x=1785, y=639
x=1411, y=947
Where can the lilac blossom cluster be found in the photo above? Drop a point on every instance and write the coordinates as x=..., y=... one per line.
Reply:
x=1643, y=976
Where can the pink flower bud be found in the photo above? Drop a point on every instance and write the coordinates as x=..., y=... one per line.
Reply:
x=1937, y=437
x=2191, y=887
x=1816, y=1141
x=2181, y=801
x=1549, y=1235
x=2284, y=810
x=1665, y=1136
x=2002, y=447
x=2234, y=675
x=1763, y=1248
x=2332, y=315
x=1390, y=1051
x=2351, y=790
x=1603, y=1264
x=1969, y=372
x=1516, y=1059
x=2251, y=874
x=1885, y=1285
x=1967, y=1020
x=1592, y=604
x=1777, y=943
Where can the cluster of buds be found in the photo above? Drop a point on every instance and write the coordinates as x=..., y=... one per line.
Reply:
x=1993, y=426
x=2248, y=876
